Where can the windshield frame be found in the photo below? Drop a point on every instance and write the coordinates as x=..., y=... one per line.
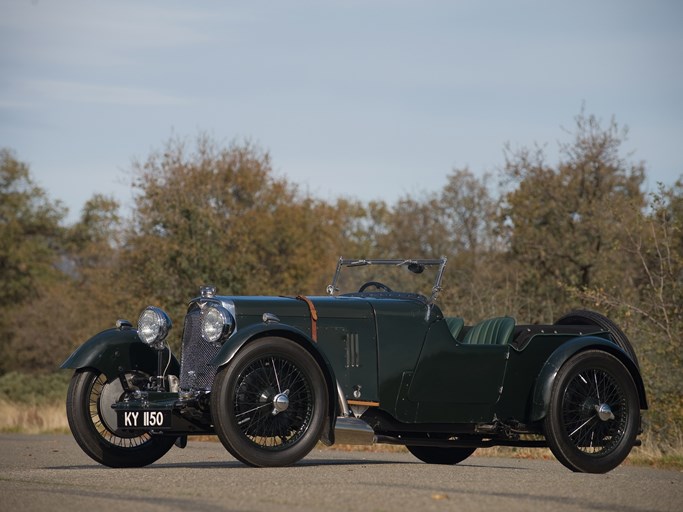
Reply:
x=436, y=288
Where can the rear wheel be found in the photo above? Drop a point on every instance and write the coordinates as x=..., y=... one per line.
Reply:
x=93, y=424
x=269, y=403
x=436, y=455
x=594, y=413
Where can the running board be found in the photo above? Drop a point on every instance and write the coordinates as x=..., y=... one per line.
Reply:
x=467, y=443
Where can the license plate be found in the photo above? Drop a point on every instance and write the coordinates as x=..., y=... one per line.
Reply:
x=144, y=419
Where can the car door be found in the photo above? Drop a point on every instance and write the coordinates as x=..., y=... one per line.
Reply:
x=455, y=382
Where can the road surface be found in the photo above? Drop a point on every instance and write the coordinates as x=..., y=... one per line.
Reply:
x=51, y=473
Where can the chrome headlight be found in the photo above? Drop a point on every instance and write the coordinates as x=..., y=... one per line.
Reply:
x=217, y=323
x=153, y=326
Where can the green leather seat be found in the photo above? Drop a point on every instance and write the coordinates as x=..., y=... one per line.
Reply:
x=455, y=325
x=493, y=331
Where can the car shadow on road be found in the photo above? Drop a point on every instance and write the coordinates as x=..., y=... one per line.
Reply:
x=233, y=464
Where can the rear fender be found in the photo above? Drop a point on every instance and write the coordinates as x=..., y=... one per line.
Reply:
x=115, y=351
x=548, y=373
x=254, y=332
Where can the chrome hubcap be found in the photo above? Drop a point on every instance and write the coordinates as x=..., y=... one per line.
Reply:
x=604, y=412
x=280, y=403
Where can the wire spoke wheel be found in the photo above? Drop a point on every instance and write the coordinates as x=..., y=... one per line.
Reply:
x=594, y=413
x=103, y=416
x=586, y=394
x=94, y=426
x=257, y=388
x=269, y=403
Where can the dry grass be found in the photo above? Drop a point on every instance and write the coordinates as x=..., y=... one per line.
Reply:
x=32, y=418
x=667, y=455
x=50, y=418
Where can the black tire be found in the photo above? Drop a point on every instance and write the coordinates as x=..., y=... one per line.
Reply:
x=244, y=396
x=589, y=388
x=436, y=455
x=93, y=424
x=587, y=317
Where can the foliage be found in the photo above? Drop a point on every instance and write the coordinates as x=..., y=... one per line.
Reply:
x=564, y=224
x=220, y=216
x=74, y=299
x=458, y=222
x=652, y=308
x=26, y=388
x=29, y=232
x=30, y=238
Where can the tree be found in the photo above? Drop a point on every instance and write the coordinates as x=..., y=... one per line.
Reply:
x=458, y=222
x=30, y=232
x=651, y=310
x=564, y=224
x=474, y=283
x=30, y=242
x=469, y=212
x=82, y=297
x=221, y=216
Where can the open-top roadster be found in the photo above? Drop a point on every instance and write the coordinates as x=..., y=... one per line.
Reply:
x=371, y=362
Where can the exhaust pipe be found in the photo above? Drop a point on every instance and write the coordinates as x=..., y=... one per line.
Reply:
x=349, y=430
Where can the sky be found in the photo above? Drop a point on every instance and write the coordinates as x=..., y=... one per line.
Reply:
x=365, y=99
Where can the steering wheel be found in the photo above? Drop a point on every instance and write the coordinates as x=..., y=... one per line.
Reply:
x=376, y=284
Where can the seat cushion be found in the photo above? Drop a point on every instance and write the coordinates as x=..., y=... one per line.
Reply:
x=455, y=325
x=493, y=331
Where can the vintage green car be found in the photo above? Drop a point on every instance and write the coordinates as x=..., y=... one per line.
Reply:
x=373, y=361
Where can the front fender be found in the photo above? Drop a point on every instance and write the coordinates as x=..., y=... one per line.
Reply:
x=548, y=373
x=115, y=351
x=256, y=331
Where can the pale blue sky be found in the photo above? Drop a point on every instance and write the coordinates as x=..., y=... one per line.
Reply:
x=371, y=99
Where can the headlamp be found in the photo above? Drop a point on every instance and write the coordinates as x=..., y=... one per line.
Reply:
x=217, y=323
x=153, y=326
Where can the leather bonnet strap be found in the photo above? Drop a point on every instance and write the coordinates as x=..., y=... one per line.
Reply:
x=314, y=316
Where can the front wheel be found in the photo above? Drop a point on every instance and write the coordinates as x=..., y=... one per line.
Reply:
x=594, y=414
x=269, y=403
x=93, y=424
x=436, y=455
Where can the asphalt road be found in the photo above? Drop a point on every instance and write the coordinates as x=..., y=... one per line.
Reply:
x=51, y=473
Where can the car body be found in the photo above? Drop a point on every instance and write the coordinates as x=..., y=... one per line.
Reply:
x=366, y=363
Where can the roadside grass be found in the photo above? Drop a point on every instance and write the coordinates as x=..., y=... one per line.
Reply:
x=33, y=404
x=659, y=455
x=33, y=419
x=36, y=405
x=648, y=454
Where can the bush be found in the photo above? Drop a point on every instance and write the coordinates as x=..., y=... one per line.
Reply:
x=38, y=389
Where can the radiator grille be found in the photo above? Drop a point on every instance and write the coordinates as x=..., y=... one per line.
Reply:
x=195, y=356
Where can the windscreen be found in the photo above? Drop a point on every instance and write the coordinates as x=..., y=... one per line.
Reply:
x=397, y=276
